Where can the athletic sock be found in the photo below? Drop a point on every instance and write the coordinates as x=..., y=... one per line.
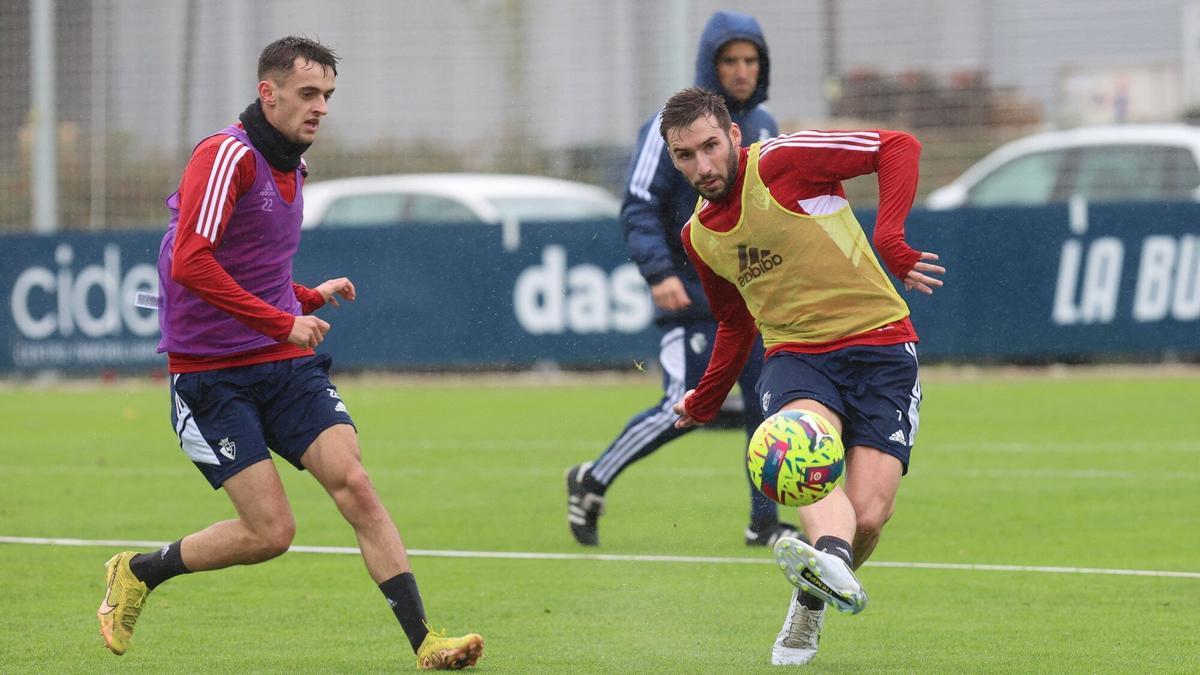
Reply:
x=810, y=601
x=158, y=566
x=836, y=546
x=402, y=594
x=833, y=546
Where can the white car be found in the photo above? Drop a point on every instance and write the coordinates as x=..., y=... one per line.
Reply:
x=1137, y=162
x=453, y=198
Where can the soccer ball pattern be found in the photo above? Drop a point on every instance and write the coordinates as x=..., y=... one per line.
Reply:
x=796, y=458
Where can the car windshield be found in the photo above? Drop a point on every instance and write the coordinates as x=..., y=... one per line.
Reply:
x=396, y=207
x=533, y=209
x=1027, y=180
x=1132, y=173
x=1102, y=173
x=368, y=209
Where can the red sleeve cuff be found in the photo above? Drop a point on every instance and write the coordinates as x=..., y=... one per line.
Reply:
x=702, y=418
x=310, y=299
x=280, y=329
x=899, y=264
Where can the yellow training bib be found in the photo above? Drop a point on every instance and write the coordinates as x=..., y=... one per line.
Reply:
x=805, y=279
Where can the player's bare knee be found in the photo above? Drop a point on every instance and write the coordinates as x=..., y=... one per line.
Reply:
x=272, y=539
x=358, y=486
x=357, y=498
x=870, y=521
x=278, y=542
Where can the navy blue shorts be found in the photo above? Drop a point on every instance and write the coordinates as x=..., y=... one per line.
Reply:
x=227, y=419
x=875, y=390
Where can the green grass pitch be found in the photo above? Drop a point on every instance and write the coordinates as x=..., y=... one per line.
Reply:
x=1082, y=471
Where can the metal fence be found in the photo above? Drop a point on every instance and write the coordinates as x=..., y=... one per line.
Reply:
x=118, y=91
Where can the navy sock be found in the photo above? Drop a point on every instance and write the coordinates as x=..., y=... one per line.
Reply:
x=158, y=566
x=402, y=594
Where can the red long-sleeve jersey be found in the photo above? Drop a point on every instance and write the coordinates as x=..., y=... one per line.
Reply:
x=804, y=172
x=208, y=188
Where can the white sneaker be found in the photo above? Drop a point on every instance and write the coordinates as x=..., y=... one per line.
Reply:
x=826, y=576
x=797, y=641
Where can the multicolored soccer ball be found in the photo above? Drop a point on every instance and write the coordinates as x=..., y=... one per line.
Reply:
x=796, y=457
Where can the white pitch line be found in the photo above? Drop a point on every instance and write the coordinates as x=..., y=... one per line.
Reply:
x=1035, y=568
x=608, y=557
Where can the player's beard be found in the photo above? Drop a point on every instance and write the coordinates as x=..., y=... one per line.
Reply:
x=730, y=174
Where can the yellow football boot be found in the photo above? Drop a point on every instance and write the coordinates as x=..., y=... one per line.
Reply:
x=122, y=603
x=438, y=652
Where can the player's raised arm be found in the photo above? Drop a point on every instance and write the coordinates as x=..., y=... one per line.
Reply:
x=897, y=169
x=820, y=160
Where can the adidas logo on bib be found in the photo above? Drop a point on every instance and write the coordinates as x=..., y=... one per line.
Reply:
x=755, y=262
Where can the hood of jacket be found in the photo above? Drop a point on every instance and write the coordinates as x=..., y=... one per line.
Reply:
x=723, y=27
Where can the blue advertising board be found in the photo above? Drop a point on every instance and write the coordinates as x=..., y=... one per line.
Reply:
x=453, y=296
x=68, y=302
x=430, y=296
x=1113, y=281
x=1105, y=282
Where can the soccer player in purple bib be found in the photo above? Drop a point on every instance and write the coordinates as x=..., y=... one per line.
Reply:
x=239, y=336
x=780, y=254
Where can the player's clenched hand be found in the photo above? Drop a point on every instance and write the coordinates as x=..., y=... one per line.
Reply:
x=670, y=295
x=308, y=332
x=335, y=287
x=685, y=420
x=918, y=277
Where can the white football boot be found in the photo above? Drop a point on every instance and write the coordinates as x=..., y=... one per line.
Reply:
x=797, y=641
x=826, y=576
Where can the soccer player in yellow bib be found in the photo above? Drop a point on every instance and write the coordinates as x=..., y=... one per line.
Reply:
x=779, y=252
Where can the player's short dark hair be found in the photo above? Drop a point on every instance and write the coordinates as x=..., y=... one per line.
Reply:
x=280, y=56
x=691, y=104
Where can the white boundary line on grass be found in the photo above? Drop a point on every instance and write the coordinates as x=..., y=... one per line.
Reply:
x=520, y=555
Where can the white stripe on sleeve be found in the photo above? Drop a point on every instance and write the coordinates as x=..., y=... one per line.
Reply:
x=214, y=226
x=228, y=154
x=212, y=178
x=647, y=164
x=802, y=144
x=864, y=136
x=852, y=140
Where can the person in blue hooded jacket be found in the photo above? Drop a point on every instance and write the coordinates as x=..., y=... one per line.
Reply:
x=732, y=61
